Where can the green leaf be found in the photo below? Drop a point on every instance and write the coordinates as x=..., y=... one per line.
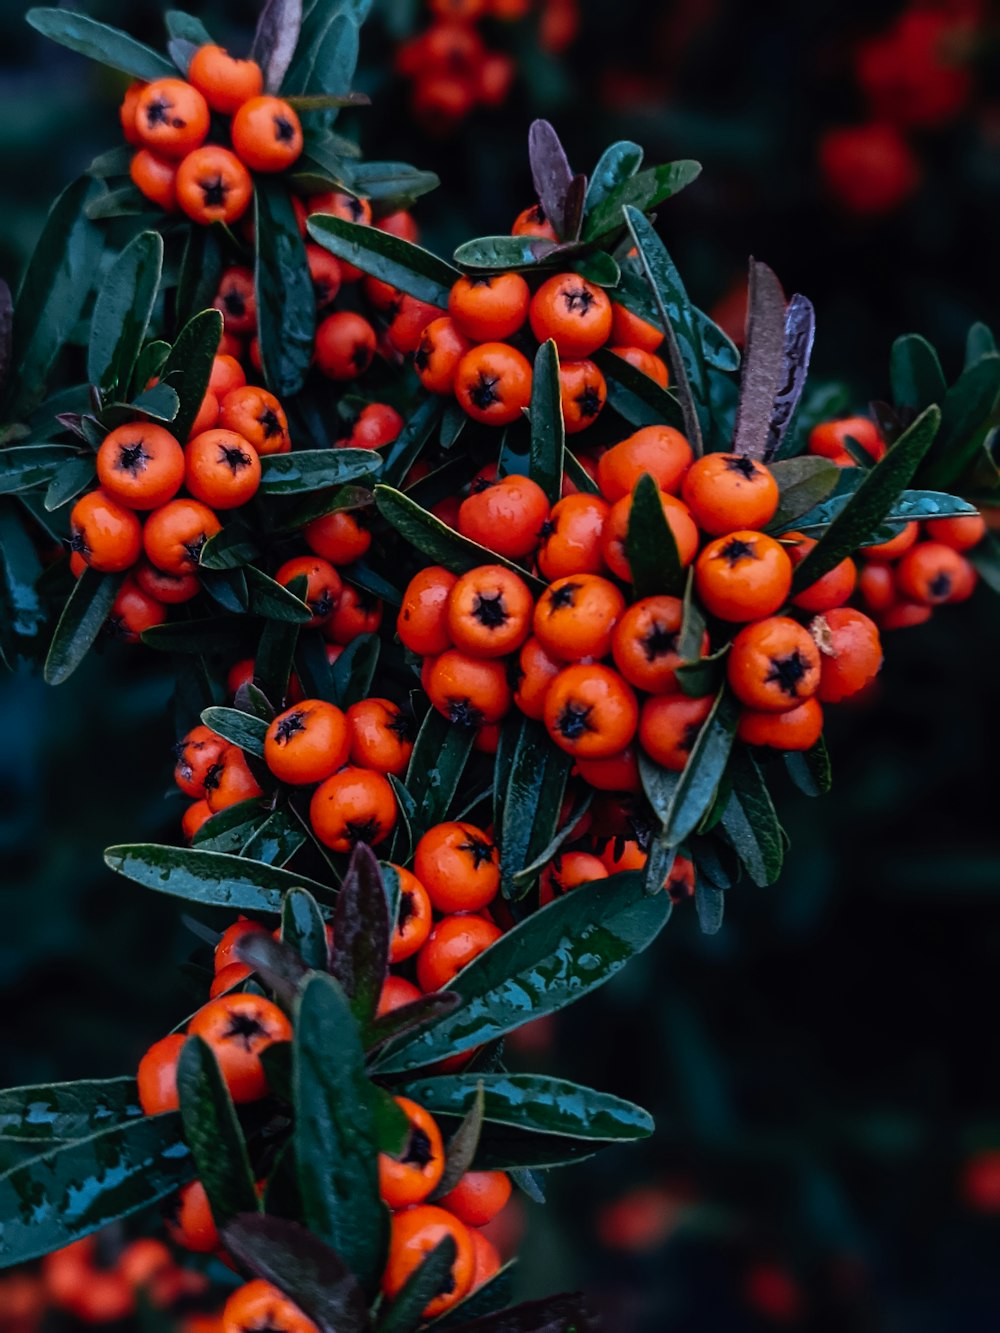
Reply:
x=394, y=185
x=649, y=544
x=915, y=373
x=491, y=1296
x=84, y=614
x=189, y=366
x=229, y=830
x=274, y=657
x=360, y=955
x=305, y=1270
x=966, y=416
x=84, y=1185
x=710, y=904
x=59, y=1112
x=227, y=588
x=99, y=42
x=354, y=670
x=405, y=1313
x=273, y=600
x=187, y=28
x=333, y=58
x=122, y=313
x=635, y=396
x=616, y=165
x=75, y=475
x=239, y=728
x=410, y=442
x=313, y=469
x=232, y=546
x=750, y=821
x=53, y=291
x=303, y=929
x=460, y=1149
x=680, y=800
x=286, y=302
x=275, y=841
x=909, y=505
x=598, y=267
x=531, y=800
x=213, y=1133
x=203, y=637
x=810, y=769
x=437, y=762
x=502, y=254
x=718, y=349
x=871, y=501
x=212, y=878
x=578, y=474
x=642, y=192
x=534, y=1102
x=160, y=403
x=803, y=482
x=547, y=961
x=395, y=261
x=27, y=466
x=435, y=539
x=336, y=1145
x=978, y=343
x=201, y=269
x=548, y=436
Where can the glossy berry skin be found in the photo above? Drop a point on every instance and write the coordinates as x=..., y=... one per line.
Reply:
x=323, y=588
x=469, y=691
x=659, y=450
x=583, y=391
x=773, y=665
x=307, y=742
x=536, y=670
x=930, y=572
x=416, y=1172
x=258, y=416
x=354, y=805
x=104, y=533
x=895, y=546
x=590, y=711
x=381, y=736
x=832, y=589
x=493, y=383
x=157, y=1076
x=451, y=946
x=669, y=725
x=192, y=1224
x=415, y=1232
x=459, y=867
x=729, y=491
x=221, y=469
x=230, y=781
x=267, y=134
x=478, y=1197
x=489, y=612
x=646, y=644
x=574, y=313
x=489, y=308
x=414, y=920
x=238, y=1028
x=259, y=1306
x=851, y=653
x=175, y=534
x=961, y=534
x=571, y=537
x=743, y=576
x=224, y=82
x=576, y=617
x=797, y=728
x=171, y=117
x=678, y=519
x=140, y=465
x=213, y=185
x=507, y=517
x=828, y=439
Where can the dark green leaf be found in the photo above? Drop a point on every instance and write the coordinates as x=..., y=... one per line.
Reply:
x=571, y=1313
x=125, y=202
x=286, y=302
x=392, y=184
x=211, y=878
x=161, y=403
x=203, y=637
x=397, y=262
x=317, y=504
x=333, y=58
x=599, y=267
x=85, y=612
x=75, y=475
x=410, y=1017
x=239, y=728
x=213, y=1133
x=360, y=955
x=531, y=800
x=649, y=544
x=30, y=465
x=99, y=42
x=437, y=762
x=122, y=312
x=274, y=657
x=409, y=444
x=336, y=1144
x=750, y=821
x=280, y=968
x=502, y=254
x=200, y=273
x=354, y=670
x=303, y=929
x=616, y=165
x=187, y=27
x=58, y=1112
x=232, y=546
x=189, y=366
x=273, y=600
x=871, y=501
x=229, y=830
x=642, y=192
x=492, y=1295
x=227, y=588
x=803, y=483
x=710, y=904
x=635, y=396
x=275, y=841
x=979, y=342
x=432, y=1277
x=718, y=349
x=579, y=475
x=547, y=433
x=916, y=374
x=810, y=769
x=680, y=800
x=314, y=469
x=967, y=414
x=550, y=959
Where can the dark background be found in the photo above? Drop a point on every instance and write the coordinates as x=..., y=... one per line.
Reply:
x=821, y=1070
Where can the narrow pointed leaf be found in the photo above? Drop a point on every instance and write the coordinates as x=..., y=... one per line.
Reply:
x=551, y=173
x=99, y=42
x=82, y=617
x=642, y=193
x=360, y=956
x=461, y=1147
x=286, y=302
x=650, y=546
x=616, y=165
x=750, y=821
x=401, y=264
x=308, y=470
x=238, y=728
x=800, y=331
x=212, y=878
x=685, y=797
x=802, y=483
x=548, y=434
x=915, y=373
x=303, y=929
x=404, y=1313
x=213, y=1133
x=57, y=1112
x=531, y=800
x=763, y=359
x=188, y=367
x=122, y=312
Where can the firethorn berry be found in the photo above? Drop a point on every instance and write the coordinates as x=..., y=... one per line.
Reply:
x=228, y=978
x=575, y=617
x=258, y=417
x=571, y=536
x=618, y=772
x=479, y=1195
x=381, y=736
x=904, y=615
x=238, y=1027
x=469, y=691
x=743, y=576
x=171, y=117
x=965, y=582
x=928, y=573
x=729, y=491
x=679, y=521
x=414, y=918
x=382, y=295
x=422, y=623
x=417, y=1231
x=645, y=644
x=796, y=728
x=133, y=612
x=647, y=363
x=227, y=373
x=266, y=134
x=409, y=322
x=259, y=1306
x=895, y=546
x=104, y=533
x=574, y=313
x=669, y=725
x=326, y=275
x=877, y=585
x=194, y=816
x=582, y=392
x=323, y=584
x=213, y=185
x=357, y=612
x=681, y=880
x=376, y=424
x=157, y=1076
x=487, y=1259
x=533, y=222
x=659, y=450
x=207, y=418
x=489, y=612
x=850, y=653
x=192, y=1224
x=962, y=534
x=221, y=468
x=224, y=82
x=307, y=742
x=197, y=754
x=442, y=345
x=451, y=946
x=493, y=383
x=237, y=300
x=459, y=867
x=140, y=465
x=396, y=992
x=621, y=855
x=590, y=711
x=175, y=534
x=489, y=308
x=127, y=110
x=773, y=665
x=629, y=330
x=536, y=670
x=507, y=518
x=827, y=439
x=172, y=589
x=568, y=871
x=225, y=950
x=230, y=781
x=340, y=537
x=341, y=205
x=156, y=178
x=355, y=805
x=416, y=1172
x=401, y=224
x=833, y=589
x=345, y=345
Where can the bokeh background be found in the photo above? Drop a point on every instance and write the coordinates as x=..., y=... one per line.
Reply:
x=823, y=1072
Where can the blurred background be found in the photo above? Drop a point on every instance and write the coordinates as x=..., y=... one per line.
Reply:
x=822, y=1072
